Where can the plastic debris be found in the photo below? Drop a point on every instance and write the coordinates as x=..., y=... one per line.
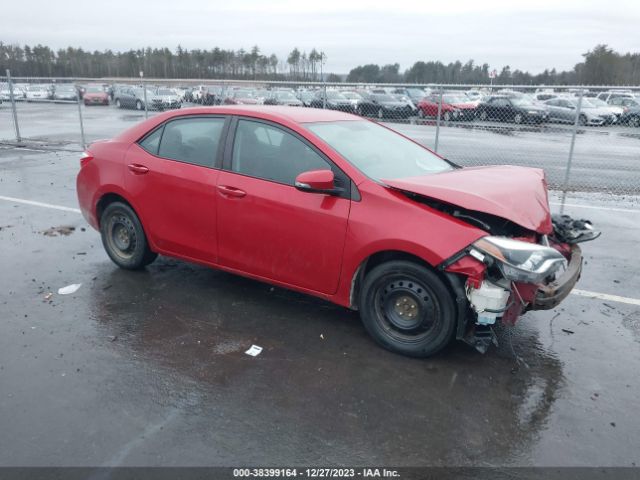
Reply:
x=254, y=351
x=69, y=289
x=48, y=296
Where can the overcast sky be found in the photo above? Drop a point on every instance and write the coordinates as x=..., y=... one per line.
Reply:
x=531, y=35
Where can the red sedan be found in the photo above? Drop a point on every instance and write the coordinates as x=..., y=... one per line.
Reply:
x=336, y=206
x=95, y=95
x=454, y=107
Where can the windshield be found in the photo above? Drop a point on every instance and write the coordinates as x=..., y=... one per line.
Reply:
x=285, y=96
x=243, y=94
x=94, y=90
x=377, y=151
x=351, y=95
x=164, y=91
x=598, y=103
x=454, y=99
x=332, y=95
x=521, y=102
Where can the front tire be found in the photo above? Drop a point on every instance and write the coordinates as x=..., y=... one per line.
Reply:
x=518, y=118
x=123, y=237
x=407, y=309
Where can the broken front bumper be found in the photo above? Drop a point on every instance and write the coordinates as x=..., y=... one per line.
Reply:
x=549, y=296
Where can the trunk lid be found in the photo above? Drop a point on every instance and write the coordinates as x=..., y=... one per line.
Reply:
x=518, y=194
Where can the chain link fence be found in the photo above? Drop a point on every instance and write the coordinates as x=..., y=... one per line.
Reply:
x=585, y=138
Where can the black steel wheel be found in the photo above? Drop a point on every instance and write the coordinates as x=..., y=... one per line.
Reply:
x=123, y=237
x=406, y=308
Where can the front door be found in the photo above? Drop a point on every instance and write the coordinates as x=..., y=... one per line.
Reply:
x=268, y=228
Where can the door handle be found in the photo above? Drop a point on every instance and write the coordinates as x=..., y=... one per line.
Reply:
x=137, y=168
x=231, y=191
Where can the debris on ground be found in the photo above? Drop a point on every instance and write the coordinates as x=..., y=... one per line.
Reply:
x=567, y=331
x=69, y=289
x=64, y=230
x=322, y=336
x=112, y=338
x=254, y=351
x=48, y=296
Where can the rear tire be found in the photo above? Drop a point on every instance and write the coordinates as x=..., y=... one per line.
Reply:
x=446, y=116
x=407, y=309
x=582, y=120
x=123, y=237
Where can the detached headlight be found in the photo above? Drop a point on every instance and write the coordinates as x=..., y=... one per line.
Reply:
x=520, y=261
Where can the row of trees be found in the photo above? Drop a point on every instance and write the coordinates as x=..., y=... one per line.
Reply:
x=41, y=61
x=601, y=66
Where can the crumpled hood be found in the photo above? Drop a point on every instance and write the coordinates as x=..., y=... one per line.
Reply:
x=518, y=194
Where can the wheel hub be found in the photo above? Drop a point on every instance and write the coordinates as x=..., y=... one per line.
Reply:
x=406, y=306
x=121, y=237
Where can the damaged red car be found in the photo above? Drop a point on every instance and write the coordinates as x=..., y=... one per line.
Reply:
x=332, y=205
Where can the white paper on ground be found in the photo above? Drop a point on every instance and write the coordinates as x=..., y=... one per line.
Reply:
x=69, y=289
x=254, y=351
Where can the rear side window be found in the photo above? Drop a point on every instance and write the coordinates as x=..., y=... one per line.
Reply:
x=152, y=141
x=192, y=140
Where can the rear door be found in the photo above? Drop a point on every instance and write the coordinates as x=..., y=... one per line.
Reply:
x=172, y=175
x=268, y=228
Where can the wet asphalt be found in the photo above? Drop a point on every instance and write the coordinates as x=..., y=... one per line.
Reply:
x=148, y=368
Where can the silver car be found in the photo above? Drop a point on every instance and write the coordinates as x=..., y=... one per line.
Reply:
x=565, y=109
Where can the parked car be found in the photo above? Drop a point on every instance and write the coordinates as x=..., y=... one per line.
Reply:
x=631, y=115
x=37, y=93
x=65, y=91
x=624, y=103
x=306, y=97
x=511, y=109
x=616, y=110
x=282, y=97
x=334, y=100
x=565, y=110
x=454, y=107
x=612, y=94
x=340, y=207
x=95, y=95
x=241, y=96
x=354, y=97
x=19, y=92
x=383, y=105
x=413, y=94
x=164, y=99
x=132, y=97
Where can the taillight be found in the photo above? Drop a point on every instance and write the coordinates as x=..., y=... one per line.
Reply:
x=85, y=158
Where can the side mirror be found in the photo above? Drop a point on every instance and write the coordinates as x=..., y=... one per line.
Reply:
x=317, y=181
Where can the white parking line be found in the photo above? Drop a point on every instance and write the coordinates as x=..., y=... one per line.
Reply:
x=606, y=296
x=575, y=291
x=595, y=207
x=40, y=204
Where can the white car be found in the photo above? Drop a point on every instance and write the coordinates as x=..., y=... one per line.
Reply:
x=5, y=94
x=613, y=109
x=37, y=92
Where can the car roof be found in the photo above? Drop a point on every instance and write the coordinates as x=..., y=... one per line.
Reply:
x=271, y=112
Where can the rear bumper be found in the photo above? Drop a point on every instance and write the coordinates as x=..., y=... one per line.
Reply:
x=550, y=296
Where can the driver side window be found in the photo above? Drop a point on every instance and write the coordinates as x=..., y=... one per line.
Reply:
x=263, y=151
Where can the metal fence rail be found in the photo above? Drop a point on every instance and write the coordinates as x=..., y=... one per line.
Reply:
x=586, y=138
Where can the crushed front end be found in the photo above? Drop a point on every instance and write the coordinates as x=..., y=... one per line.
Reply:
x=507, y=275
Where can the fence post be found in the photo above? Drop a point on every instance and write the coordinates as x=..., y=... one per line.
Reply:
x=576, y=122
x=324, y=96
x=79, y=102
x=13, y=107
x=435, y=147
x=144, y=94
